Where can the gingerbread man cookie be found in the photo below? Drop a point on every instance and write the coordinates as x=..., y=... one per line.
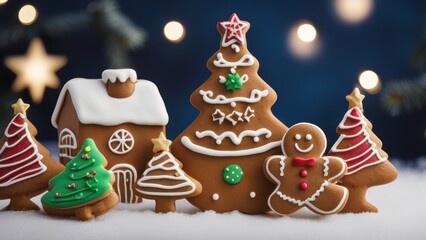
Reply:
x=304, y=177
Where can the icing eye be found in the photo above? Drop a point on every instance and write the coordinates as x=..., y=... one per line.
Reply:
x=308, y=137
x=298, y=137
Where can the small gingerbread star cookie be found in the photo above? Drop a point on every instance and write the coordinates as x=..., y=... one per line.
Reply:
x=304, y=177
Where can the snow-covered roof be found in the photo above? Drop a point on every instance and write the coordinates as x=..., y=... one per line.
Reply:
x=94, y=106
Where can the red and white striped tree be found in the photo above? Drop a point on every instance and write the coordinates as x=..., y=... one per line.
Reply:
x=25, y=165
x=361, y=149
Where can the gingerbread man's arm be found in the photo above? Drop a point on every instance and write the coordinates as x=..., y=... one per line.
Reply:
x=334, y=168
x=274, y=168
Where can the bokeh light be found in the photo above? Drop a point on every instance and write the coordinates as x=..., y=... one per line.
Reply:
x=27, y=14
x=306, y=32
x=303, y=40
x=3, y=2
x=353, y=11
x=174, y=31
x=370, y=81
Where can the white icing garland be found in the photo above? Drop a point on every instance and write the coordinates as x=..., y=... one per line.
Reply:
x=122, y=169
x=233, y=137
x=360, y=122
x=227, y=153
x=32, y=146
x=246, y=60
x=145, y=181
x=255, y=96
x=124, y=140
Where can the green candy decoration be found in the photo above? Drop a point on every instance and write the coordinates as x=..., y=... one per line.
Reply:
x=233, y=82
x=233, y=174
x=83, y=180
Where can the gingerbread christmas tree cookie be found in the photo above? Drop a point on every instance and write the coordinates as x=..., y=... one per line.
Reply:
x=304, y=177
x=84, y=188
x=234, y=130
x=25, y=165
x=368, y=164
x=164, y=180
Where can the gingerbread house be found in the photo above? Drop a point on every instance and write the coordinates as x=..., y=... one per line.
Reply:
x=121, y=114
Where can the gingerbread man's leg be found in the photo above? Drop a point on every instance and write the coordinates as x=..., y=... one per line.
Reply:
x=280, y=206
x=330, y=201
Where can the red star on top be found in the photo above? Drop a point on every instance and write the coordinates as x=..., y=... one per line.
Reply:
x=233, y=30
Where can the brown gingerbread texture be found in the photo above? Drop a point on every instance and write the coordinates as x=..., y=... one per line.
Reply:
x=121, y=114
x=84, y=188
x=225, y=146
x=164, y=179
x=368, y=164
x=304, y=177
x=26, y=166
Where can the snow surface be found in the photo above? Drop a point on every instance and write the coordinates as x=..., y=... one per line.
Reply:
x=402, y=215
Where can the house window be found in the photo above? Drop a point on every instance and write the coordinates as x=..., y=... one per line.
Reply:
x=67, y=143
x=121, y=142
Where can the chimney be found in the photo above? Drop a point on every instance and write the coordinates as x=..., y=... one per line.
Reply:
x=120, y=83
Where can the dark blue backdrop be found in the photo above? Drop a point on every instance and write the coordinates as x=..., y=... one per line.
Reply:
x=312, y=90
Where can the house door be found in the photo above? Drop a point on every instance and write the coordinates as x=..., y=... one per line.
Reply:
x=125, y=177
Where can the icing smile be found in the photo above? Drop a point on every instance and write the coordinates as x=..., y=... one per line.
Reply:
x=303, y=150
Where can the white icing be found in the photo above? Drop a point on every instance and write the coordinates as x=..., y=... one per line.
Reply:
x=94, y=106
x=232, y=136
x=235, y=48
x=252, y=194
x=304, y=150
x=233, y=71
x=67, y=143
x=121, y=142
x=121, y=75
x=298, y=136
x=337, y=208
x=244, y=78
x=215, y=197
x=227, y=153
x=255, y=96
x=300, y=203
x=230, y=118
x=326, y=168
x=222, y=79
x=248, y=114
x=34, y=157
x=218, y=116
x=146, y=180
x=308, y=137
x=342, y=170
x=282, y=165
x=245, y=60
x=121, y=171
x=360, y=121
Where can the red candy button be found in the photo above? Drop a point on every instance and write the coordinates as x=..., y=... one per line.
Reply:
x=303, y=173
x=303, y=186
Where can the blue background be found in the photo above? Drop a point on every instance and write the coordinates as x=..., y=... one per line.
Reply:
x=311, y=90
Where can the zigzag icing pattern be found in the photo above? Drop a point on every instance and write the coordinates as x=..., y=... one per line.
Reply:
x=233, y=137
